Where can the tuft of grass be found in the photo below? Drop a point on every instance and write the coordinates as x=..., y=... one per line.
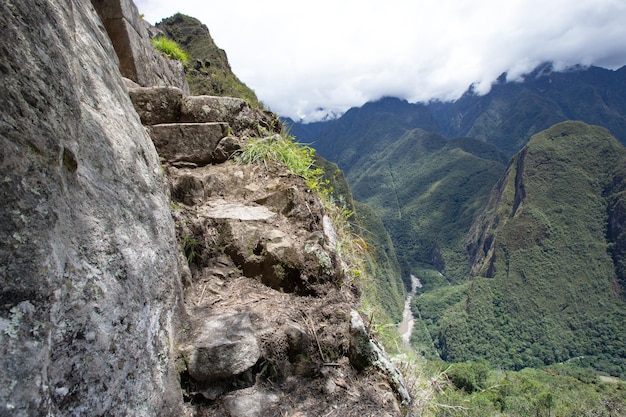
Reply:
x=296, y=157
x=170, y=48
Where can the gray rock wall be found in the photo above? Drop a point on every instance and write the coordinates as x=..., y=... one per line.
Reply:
x=89, y=284
x=138, y=60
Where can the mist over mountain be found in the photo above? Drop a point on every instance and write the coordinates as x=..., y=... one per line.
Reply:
x=507, y=116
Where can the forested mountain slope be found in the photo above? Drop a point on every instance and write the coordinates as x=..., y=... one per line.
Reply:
x=426, y=190
x=369, y=144
x=514, y=111
x=547, y=257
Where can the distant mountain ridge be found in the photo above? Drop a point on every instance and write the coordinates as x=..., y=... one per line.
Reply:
x=504, y=119
x=507, y=116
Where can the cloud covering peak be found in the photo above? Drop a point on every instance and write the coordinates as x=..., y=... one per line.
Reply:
x=309, y=59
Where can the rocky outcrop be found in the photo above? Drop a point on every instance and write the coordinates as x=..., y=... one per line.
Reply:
x=268, y=308
x=138, y=60
x=89, y=281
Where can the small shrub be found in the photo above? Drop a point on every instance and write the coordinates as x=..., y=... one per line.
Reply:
x=190, y=246
x=170, y=48
x=469, y=376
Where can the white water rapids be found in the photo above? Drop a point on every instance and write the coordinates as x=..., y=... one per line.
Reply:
x=408, y=321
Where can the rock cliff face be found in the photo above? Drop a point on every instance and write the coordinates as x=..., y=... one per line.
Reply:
x=138, y=60
x=89, y=277
x=228, y=299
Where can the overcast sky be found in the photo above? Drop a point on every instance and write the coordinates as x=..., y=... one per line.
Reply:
x=307, y=58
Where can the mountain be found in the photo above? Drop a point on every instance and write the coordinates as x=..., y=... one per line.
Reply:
x=513, y=111
x=506, y=117
x=366, y=139
x=437, y=176
x=361, y=134
x=547, y=259
x=209, y=71
x=426, y=190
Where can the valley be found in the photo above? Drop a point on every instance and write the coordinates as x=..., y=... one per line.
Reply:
x=171, y=247
x=447, y=193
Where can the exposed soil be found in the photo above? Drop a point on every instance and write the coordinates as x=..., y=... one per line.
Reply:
x=247, y=234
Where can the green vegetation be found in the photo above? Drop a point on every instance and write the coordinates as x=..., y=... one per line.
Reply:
x=208, y=72
x=427, y=191
x=190, y=248
x=474, y=389
x=547, y=289
x=170, y=48
x=558, y=390
x=282, y=149
x=388, y=289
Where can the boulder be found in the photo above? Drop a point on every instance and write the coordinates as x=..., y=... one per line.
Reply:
x=265, y=253
x=224, y=346
x=251, y=402
x=157, y=105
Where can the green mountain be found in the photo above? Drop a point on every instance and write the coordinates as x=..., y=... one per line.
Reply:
x=427, y=189
x=360, y=135
x=208, y=71
x=506, y=117
x=387, y=289
x=361, y=141
x=514, y=111
x=548, y=260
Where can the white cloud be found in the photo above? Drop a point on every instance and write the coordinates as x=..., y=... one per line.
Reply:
x=303, y=56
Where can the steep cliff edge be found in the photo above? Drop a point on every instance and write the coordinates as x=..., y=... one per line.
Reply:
x=229, y=299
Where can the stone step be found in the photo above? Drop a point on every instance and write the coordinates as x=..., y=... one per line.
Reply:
x=157, y=105
x=192, y=143
x=166, y=105
x=241, y=118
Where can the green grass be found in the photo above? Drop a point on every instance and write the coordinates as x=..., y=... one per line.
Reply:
x=298, y=158
x=170, y=48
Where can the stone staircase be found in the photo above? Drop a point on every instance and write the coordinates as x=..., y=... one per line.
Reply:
x=265, y=293
x=198, y=130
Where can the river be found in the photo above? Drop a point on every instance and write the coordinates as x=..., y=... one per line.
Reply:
x=408, y=321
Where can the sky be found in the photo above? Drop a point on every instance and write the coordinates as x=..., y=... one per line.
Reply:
x=312, y=59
